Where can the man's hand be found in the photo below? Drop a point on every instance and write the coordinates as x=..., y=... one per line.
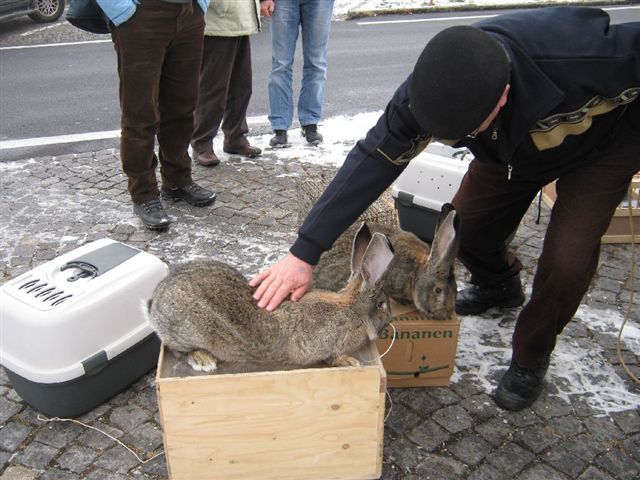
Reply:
x=267, y=7
x=289, y=275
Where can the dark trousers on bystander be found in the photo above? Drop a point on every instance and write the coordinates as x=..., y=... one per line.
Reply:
x=159, y=51
x=225, y=92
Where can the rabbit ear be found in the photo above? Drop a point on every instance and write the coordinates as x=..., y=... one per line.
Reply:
x=376, y=259
x=360, y=243
x=446, y=241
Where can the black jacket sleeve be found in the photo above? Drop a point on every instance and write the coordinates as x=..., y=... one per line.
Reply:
x=369, y=169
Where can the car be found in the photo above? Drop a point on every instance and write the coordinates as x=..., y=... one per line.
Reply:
x=41, y=11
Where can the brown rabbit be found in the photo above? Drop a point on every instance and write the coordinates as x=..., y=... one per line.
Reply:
x=418, y=274
x=205, y=309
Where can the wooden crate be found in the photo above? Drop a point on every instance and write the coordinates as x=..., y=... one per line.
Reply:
x=623, y=220
x=314, y=423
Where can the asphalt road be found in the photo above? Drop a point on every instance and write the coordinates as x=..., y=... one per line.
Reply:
x=59, y=86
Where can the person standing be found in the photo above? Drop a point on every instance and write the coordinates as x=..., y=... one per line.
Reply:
x=225, y=80
x=159, y=47
x=311, y=19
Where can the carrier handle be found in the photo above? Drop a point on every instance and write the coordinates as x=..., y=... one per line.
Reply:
x=87, y=270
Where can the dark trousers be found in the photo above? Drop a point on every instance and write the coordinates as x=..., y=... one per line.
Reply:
x=225, y=91
x=490, y=207
x=159, y=51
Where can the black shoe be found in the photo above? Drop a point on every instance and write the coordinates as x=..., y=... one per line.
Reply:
x=519, y=387
x=477, y=299
x=193, y=194
x=311, y=134
x=279, y=139
x=152, y=214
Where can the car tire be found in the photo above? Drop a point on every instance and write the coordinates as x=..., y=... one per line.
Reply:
x=47, y=11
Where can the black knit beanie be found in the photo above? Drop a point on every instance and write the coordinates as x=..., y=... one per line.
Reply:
x=457, y=81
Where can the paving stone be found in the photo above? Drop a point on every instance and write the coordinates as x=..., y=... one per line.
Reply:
x=440, y=468
x=494, y=430
x=101, y=474
x=156, y=467
x=418, y=401
x=603, y=429
x=550, y=406
x=18, y=472
x=404, y=454
x=4, y=459
x=58, y=434
x=594, y=473
x=488, y=472
x=429, y=435
x=537, y=437
x=77, y=458
x=144, y=438
x=470, y=449
x=117, y=459
x=566, y=426
x=510, y=458
x=128, y=417
x=454, y=418
x=565, y=461
x=401, y=418
x=480, y=406
x=54, y=474
x=36, y=455
x=12, y=435
x=8, y=409
x=619, y=464
x=628, y=421
x=541, y=471
x=632, y=446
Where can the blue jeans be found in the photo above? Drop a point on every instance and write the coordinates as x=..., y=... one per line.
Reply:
x=313, y=18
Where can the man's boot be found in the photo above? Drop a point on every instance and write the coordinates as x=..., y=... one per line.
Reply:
x=520, y=387
x=477, y=299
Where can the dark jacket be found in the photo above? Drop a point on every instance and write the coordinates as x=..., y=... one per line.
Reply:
x=573, y=79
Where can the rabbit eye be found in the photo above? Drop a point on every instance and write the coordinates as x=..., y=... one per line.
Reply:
x=381, y=305
x=438, y=290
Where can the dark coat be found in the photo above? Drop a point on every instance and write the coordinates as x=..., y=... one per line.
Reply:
x=574, y=77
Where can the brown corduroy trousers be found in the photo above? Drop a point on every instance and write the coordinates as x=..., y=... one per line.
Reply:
x=225, y=92
x=159, y=51
x=490, y=207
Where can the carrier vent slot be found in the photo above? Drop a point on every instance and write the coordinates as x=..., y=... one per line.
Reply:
x=45, y=292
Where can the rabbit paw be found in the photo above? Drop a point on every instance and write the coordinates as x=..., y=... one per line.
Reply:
x=202, y=361
x=345, y=361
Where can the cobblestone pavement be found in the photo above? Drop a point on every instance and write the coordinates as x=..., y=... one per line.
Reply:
x=53, y=205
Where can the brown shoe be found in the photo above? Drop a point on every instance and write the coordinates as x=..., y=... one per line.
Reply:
x=207, y=159
x=244, y=151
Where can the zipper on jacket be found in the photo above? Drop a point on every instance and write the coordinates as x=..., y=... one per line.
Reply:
x=509, y=169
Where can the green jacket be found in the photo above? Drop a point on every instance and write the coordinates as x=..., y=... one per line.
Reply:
x=232, y=18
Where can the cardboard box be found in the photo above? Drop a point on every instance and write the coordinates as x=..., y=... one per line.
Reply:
x=313, y=423
x=424, y=351
x=623, y=220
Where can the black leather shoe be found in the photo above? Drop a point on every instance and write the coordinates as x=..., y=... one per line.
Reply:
x=519, y=387
x=279, y=139
x=193, y=194
x=311, y=134
x=152, y=214
x=478, y=299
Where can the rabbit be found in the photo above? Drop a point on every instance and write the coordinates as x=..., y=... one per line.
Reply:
x=418, y=274
x=205, y=309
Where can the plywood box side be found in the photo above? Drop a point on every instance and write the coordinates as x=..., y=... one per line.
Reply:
x=301, y=424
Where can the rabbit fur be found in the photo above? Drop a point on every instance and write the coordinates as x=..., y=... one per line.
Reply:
x=205, y=309
x=419, y=274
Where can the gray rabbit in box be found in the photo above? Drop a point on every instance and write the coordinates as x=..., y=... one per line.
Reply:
x=419, y=274
x=205, y=310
